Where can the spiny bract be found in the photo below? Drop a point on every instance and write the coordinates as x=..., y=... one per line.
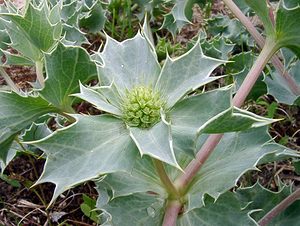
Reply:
x=141, y=107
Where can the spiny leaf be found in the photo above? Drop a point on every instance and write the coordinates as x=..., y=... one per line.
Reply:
x=15, y=59
x=6, y=152
x=21, y=43
x=239, y=68
x=217, y=47
x=98, y=100
x=263, y=10
x=284, y=31
x=181, y=14
x=107, y=149
x=184, y=74
x=231, y=29
x=142, y=178
x=148, y=209
x=94, y=19
x=36, y=131
x=287, y=28
x=237, y=153
x=227, y=210
x=234, y=155
x=36, y=28
x=188, y=115
x=138, y=209
x=210, y=112
x=156, y=142
x=278, y=87
x=264, y=200
x=126, y=65
x=16, y=113
x=236, y=120
x=65, y=67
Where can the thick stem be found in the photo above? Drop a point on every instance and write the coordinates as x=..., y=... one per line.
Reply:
x=191, y=170
x=193, y=167
x=8, y=80
x=182, y=183
x=260, y=41
x=172, y=211
x=39, y=73
x=280, y=208
x=168, y=184
x=263, y=58
x=246, y=22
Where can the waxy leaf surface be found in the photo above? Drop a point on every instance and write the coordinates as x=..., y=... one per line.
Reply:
x=278, y=87
x=92, y=146
x=190, y=114
x=16, y=113
x=264, y=200
x=122, y=67
x=137, y=209
x=65, y=67
x=98, y=100
x=263, y=11
x=237, y=153
x=128, y=63
x=185, y=74
x=234, y=155
x=210, y=112
x=287, y=27
x=142, y=178
x=26, y=48
x=6, y=152
x=284, y=30
x=156, y=142
x=36, y=28
x=148, y=209
x=227, y=210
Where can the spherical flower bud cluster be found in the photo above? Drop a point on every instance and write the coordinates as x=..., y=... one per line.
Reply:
x=141, y=107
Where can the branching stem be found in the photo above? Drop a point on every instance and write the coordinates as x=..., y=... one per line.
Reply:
x=263, y=58
x=191, y=170
x=280, y=208
x=172, y=211
x=183, y=182
x=260, y=41
x=168, y=184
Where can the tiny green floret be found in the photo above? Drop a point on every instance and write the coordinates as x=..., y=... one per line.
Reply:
x=141, y=107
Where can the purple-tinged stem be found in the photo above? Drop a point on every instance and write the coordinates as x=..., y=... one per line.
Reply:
x=280, y=208
x=193, y=167
x=259, y=65
x=182, y=183
x=172, y=211
x=246, y=22
x=191, y=170
x=260, y=41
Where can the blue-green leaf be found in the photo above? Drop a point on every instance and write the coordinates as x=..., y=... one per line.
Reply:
x=16, y=113
x=155, y=142
x=75, y=155
x=185, y=74
x=65, y=67
x=128, y=63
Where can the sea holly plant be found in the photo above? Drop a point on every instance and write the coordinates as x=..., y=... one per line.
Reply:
x=147, y=114
x=149, y=151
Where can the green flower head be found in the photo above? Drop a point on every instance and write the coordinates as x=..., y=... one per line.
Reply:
x=136, y=90
x=141, y=107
